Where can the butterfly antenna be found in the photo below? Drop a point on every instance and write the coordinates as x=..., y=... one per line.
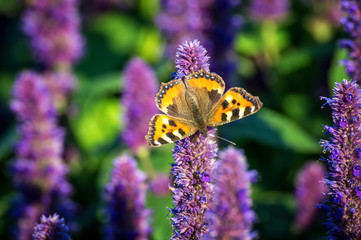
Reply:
x=226, y=140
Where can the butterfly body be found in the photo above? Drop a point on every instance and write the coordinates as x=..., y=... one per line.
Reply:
x=194, y=106
x=196, y=103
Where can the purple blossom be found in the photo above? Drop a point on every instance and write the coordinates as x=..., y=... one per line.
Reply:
x=160, y=184
x=38, y=171
x=352, y=26
x=213, y=22
x=29, y=214
x=53, y=28
x=310, y=191
x=51, y=228
x=182, y=21
x=274, y=10
x=140, y=87
x=125, y=199
x=343, y=159
x=192, y=189
x=191, y=57
x=226, y=24
x=194, y=162
x=60, y=85
x=231, y=215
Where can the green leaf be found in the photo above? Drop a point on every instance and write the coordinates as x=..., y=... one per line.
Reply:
x=120, y=31
x=320, y=28
x=249, y=44
x=246, y=67
x=149, y=8
x=98, y=124
x=149, y=44
x=337, y=72
x=98, y=86
x=6, y=84
x=293, y=61
x=161, y=223
x=297, y=105
x=274, y=129
x=7, y=141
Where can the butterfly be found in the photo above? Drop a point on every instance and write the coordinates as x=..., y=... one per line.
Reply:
x=195, y=103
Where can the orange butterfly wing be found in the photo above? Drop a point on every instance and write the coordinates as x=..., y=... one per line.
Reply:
x=236, y=103
x=165, y=129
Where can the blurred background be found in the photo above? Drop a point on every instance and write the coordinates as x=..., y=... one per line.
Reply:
x=285, y=52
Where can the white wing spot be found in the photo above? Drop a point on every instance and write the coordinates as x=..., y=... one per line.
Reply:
x=229, y=98
x=229, y=115
x=176, y=133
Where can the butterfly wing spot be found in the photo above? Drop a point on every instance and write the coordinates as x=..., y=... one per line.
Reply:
x=172, y=123
x=167, y=96
x=203, y=79
x=225, y=104
x=164, y=129
x=235, y=114
x=235, y=104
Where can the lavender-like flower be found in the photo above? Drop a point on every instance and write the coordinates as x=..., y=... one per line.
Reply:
x=51, y=228
x=352, y=26
x=191, y=57
x=60, y=84
x=125, y=199
x=140, y=87
x=213, y=22
x=159, y=185
x=310, y=190
x=53, y=28
x=344, y=163
x=231, y=215
x=226, y=24
x=182, y=21
x=192, y=185
x=274, y=10
x=39, y=173
x=194, y=162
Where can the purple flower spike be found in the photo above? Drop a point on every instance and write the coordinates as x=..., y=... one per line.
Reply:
x=194, y=162
x=60, y=86
x=274, y=10
x=232, y=216
x=310, y=190
x=125, y=198
x=39, y=172
x=343, y=161
x=53, y=28
x=352, y=26
x=213, y=22
x=194, y=158
x=51, y=228
x=191, y=57
x=160, y=184
x=140, y=87
x=182, y=21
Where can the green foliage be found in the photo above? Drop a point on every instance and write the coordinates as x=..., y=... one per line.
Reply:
x=119, y=30
x=98, y=124
x=337, y=72
x=160, y=215
x=276, y=130
x=98, y=119
x=288, y=64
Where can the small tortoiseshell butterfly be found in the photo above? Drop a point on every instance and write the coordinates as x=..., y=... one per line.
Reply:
x=195, y=104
